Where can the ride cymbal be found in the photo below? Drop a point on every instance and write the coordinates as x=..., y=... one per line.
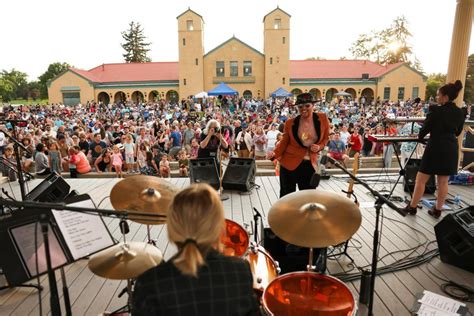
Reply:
x=125, y=261
x=145, y=194
x=314, y=218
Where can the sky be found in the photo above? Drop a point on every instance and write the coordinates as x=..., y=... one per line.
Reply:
x=87, y=33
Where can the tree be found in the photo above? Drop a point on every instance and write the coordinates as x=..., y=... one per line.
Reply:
x=135, y=46
x=469, y=83
x=18, y=81
x=433, y=83
x=34, y=90
x=387, y=46
x=6, y=90
x=54, y=69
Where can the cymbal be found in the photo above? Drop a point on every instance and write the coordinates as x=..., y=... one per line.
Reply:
x=125, y=261
x=144, y=194
x=314, y=218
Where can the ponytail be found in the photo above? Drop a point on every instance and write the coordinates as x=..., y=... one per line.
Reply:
x=451, y=89
x=189, y=259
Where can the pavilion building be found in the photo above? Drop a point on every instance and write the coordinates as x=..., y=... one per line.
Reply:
x=245, y=69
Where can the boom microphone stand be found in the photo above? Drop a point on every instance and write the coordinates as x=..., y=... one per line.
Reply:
x=379, y=202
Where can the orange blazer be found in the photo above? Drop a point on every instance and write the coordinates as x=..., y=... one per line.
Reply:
x=290, y=151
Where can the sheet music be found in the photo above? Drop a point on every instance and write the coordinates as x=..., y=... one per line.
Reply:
x=426, y=310
x=84, y=234
x=441, y=303
x=25, y=242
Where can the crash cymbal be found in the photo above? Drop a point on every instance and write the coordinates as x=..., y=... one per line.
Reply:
x=144, y=194
x=125, y=261
x=314, y=218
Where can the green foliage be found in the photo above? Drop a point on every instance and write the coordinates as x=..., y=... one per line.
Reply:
x=14, y=84
x=469, y=83
x=387, y=46
x=53, y=70
x=433, y=83
x=135, y=46
x=6, y=90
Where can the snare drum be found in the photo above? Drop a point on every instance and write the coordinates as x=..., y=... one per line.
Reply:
x=308, y=293
x=235, y=240
x=264, y=268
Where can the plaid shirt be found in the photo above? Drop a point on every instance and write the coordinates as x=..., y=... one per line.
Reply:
x=223, y=287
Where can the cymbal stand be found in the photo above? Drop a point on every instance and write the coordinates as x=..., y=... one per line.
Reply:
x=151, y=241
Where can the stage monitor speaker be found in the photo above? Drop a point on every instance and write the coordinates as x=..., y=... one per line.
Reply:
x=52, y=189
x=240, y=174
x=204, y=170
x=409, y=177
x=455, y=237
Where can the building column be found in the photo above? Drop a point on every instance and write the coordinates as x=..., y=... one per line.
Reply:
x=460, y=44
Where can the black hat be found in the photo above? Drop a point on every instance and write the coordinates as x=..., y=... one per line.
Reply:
x=304, y=98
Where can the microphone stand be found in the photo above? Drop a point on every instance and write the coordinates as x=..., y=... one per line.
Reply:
x=379, y=202
x=222, y=196
x=16, y=146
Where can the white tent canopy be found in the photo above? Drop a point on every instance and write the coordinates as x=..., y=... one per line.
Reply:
x=202, y=94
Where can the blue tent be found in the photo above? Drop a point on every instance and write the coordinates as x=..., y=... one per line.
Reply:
x=281, y=93
x=222, y=89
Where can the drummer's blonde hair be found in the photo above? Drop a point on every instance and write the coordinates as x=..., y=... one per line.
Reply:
x=195, y=222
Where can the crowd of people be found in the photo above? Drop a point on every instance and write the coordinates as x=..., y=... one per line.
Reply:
x=146, y=137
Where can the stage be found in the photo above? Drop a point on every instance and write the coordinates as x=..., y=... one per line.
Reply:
x=394, y=292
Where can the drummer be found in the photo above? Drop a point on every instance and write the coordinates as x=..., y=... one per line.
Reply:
x=198, y=280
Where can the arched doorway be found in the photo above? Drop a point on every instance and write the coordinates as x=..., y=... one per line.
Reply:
x=330, y=94
x=120, y=97
x=296, y=91
x=137, y=97
x=104, y=98
x=352, y=92
x=172, y=96
x=247, y=94
x=367, y=96
x=315, y=93
x=154, y=96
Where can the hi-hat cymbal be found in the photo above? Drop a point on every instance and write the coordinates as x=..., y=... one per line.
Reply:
x=125, y=261
x=145, y=194
x=314, y=218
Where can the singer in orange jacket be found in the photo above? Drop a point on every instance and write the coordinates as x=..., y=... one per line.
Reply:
x=303, y=138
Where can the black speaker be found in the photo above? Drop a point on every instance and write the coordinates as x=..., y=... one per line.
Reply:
x=204, y=170
x=455, y=237
x=240, y=174
x=409, y=178
x=51, y=189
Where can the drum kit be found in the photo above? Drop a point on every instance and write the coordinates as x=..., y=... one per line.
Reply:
x=307, y=218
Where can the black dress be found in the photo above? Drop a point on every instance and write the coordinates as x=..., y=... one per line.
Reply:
x=444, y=123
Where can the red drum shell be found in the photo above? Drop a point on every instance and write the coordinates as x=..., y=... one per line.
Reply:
x=307, y=293
x=235, y=240
x=264, y=268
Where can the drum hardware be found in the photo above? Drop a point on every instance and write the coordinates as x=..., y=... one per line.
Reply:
x=379, y=202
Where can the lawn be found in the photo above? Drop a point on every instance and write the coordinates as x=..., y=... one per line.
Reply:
x=29, y=102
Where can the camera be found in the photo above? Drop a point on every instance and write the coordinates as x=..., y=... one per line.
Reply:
x=217, y=130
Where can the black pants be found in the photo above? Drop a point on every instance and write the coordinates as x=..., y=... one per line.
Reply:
x=301, y=176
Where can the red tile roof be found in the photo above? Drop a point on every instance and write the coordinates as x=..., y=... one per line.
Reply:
x=336, y=69
x=126, y=72
x=299, y=69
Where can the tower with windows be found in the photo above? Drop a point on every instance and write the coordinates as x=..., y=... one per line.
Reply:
x=191, y=52
x=276, y=47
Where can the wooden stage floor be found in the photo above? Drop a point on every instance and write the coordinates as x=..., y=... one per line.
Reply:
x=395, y=292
